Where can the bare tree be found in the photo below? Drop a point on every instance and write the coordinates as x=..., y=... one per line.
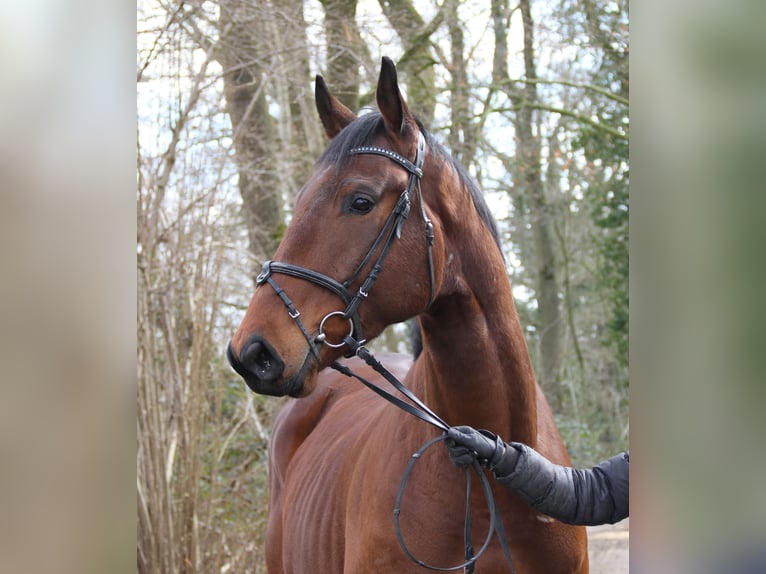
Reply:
x=346, y=51
x=416, y=65
x=303, y=140
x=530, y=184
x=242, y=49
x=189, y=419
x=461, y=137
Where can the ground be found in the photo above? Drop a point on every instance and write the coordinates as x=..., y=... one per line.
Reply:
x=608, y=548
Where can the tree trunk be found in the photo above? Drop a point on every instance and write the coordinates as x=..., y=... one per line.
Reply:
x=531, y=184
x=243, y=43
x=346, y=51
x=461, y=134
x=548, y=288
x=416, y=66
x=303, y=139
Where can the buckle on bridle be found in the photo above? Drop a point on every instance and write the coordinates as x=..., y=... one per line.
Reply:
x=264, y=274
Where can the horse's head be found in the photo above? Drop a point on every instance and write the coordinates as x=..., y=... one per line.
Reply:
x=358, y=255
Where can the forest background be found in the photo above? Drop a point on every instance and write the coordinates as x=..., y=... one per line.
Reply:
x=532, y=97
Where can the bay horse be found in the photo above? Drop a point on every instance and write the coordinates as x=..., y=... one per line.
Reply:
x=338, y=451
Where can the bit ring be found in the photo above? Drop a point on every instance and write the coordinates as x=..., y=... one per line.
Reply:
x=322, y=336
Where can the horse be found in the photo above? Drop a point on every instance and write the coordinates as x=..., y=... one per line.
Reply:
x=392, y=227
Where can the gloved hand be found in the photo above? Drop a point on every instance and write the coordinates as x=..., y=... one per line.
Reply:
x=465, y=444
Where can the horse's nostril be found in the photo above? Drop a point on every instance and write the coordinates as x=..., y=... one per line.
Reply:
x=260, y=359
x=256, y=354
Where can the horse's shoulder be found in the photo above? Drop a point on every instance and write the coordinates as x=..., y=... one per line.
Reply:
x=299, y=417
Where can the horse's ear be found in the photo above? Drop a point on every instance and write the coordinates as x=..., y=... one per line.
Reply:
x=393, y=108
x=334, y=115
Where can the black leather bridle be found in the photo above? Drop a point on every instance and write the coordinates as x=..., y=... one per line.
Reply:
x=392, y=229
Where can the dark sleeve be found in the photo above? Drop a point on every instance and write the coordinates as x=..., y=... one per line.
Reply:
x=589, y=496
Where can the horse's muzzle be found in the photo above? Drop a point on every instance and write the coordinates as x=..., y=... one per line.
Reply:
x=259, y=365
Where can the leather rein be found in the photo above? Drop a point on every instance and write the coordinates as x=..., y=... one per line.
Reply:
x=392, y=229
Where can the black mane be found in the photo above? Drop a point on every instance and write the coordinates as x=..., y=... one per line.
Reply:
x=363, y=130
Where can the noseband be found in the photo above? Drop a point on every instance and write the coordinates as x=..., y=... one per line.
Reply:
x=392, y=228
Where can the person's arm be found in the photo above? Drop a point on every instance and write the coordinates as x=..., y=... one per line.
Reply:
x=589, y=496
x=576, y=496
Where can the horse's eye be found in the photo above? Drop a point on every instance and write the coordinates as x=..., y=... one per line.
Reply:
x=361, y=204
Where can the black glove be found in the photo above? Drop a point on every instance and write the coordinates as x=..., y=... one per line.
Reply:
x=465, y=444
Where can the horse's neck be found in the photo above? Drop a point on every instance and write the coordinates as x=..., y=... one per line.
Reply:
x=475, y=368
